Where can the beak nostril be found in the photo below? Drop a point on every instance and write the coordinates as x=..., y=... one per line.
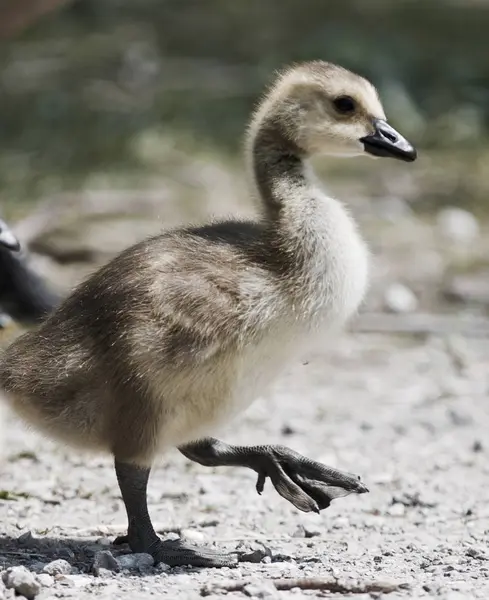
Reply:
x=390, y=136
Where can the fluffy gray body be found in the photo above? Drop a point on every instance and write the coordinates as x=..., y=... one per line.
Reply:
x=182, y=331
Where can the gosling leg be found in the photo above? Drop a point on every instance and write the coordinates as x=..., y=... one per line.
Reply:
x=307, y=484
x=141, y=536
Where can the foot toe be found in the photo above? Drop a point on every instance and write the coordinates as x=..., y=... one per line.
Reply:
x=175, y=553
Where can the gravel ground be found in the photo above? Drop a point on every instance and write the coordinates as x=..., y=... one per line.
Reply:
x=409, y=415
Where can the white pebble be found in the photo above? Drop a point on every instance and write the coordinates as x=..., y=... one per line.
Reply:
x=76, y=581
x=458, y=225
x=300, y=532
x=103, y=541
x=22, y=581
x=104, y=561
x=162, y=567
x=104, y=573
x=192, y=535
x=400, y=299
x=45, y=579
x=311, y=531
x=58, y=567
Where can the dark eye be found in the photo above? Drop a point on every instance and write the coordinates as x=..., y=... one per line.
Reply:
x=344, y=104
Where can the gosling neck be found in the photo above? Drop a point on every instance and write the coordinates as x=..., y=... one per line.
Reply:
x=278, y=169
x=313, y=243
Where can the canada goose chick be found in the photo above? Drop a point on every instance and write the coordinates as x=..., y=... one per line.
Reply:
x=180, y=332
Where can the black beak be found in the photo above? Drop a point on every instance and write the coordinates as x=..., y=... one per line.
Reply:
x=7, y=238
x=386, y=141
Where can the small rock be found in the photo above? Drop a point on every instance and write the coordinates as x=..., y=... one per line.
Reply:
x=162, y=567
x=45, y=579
x=137, y=561
x=475, y=553
x=477, y=446
x=412, y=501
x=192, y=535
x=253, y=553
x=103, y=541
x=76, y=581
x=104, y=561
x=22, y=581
x=26, y=538
x=413, y=547
x=262, y=589
x=288, y=430
x=104, y=573
x=311, y=531
x=304, y=531
x=460, y=418
x=58, y=567
x=398, y=298
x=281, y=557
x=37, y=566
x=300, y=532
x=434, y=569
x=458, y=225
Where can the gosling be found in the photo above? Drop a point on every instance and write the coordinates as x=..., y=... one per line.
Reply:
x=182, y=331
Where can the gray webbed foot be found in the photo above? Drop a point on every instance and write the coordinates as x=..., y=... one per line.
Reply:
x=178, y=553
x=307, y=484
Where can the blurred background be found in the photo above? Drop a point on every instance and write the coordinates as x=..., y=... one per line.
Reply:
x=120, y=118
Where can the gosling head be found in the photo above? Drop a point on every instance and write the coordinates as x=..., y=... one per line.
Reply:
x=325, y=109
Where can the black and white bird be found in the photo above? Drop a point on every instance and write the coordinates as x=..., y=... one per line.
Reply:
x=24, y=295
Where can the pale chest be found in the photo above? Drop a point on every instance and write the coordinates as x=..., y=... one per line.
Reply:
x=318, y=303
